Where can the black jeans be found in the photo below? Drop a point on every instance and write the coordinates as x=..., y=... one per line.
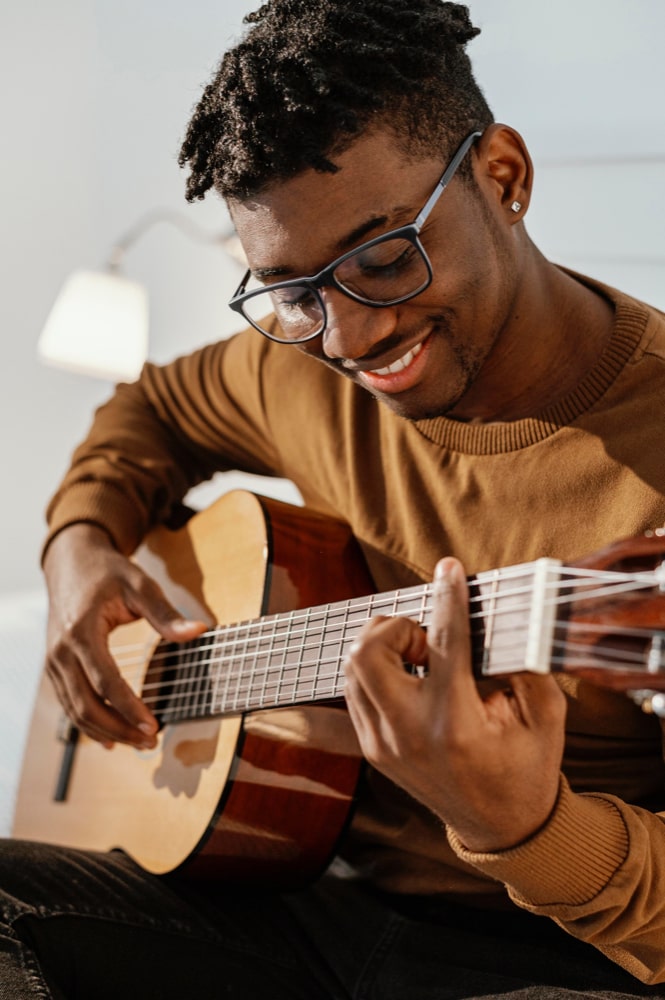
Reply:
x=83, y=926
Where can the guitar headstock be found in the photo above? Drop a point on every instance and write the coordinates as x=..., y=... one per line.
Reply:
x=614, y=623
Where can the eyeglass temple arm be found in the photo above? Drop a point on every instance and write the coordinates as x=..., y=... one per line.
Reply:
x=448, y=174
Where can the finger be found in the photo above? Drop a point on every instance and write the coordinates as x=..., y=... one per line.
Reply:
x=448, y=636
x=112, y=702
x=143, y=599
x=98, y=696
x=377, y=657
x=66, y=702
x=96, y=688
x=86, y=710
x=377, y=686
x=537, y=700
x=363, y=714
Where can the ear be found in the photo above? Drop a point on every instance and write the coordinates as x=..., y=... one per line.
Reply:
x=504, y=170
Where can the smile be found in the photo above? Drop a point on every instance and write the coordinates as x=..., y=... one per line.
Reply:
x=400, y=364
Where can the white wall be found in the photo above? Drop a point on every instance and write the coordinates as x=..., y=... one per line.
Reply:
x=94, y=98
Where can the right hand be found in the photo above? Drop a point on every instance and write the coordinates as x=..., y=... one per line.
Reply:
x=92, y=589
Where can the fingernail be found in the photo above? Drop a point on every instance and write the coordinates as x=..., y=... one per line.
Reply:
x=185, y=624
x=448, y=569
x=149, y=728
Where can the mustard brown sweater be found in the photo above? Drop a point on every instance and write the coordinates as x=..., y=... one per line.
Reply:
x=585, y=472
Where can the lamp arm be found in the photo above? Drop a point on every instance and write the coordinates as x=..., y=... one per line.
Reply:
x=227, y=240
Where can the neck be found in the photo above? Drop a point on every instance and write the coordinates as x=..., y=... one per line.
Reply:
x=556, y=331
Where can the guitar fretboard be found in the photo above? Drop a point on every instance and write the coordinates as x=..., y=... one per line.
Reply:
x=297, y=657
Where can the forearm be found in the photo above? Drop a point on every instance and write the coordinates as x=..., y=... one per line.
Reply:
x=597, y=867
x=127, y=473
x=155, y=439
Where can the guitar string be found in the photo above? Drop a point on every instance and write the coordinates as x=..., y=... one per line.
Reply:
x=615, y=584
x=247, y=678
x=262, y=634
x=297, y=649
x=243, y=689
x=327, y=688
x=504, y=655
x=291, y=634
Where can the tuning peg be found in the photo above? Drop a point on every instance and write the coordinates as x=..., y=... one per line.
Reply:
x=651, y=702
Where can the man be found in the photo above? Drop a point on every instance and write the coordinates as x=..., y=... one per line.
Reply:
x=419, y=370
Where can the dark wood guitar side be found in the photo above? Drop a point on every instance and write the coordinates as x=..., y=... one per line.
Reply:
x=260, y=796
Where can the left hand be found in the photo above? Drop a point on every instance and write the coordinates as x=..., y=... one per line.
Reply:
x=488, y=767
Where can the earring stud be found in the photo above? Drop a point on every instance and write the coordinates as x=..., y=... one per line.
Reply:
x=516, y=206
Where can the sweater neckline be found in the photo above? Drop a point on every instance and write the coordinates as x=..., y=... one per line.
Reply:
x=483, y=439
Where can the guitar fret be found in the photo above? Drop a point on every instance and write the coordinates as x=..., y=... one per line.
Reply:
x=261, y=666
x=185, y=687
x=202, y=692
x=281, y=669
x=300, y=662
x=242, y=678
x=297, y=662
x=229, y=658
x=310, y=676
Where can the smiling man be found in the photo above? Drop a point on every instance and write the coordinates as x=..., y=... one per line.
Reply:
x=430, y=313
x=420, y=371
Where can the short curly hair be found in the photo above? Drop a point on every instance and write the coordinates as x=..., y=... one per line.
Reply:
x=310, y=75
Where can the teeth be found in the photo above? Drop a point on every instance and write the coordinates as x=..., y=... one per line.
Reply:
x=401, y=363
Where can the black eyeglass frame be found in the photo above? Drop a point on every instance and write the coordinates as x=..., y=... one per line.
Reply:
x=326, y=277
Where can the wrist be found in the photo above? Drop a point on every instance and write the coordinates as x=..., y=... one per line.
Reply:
x=79, y=534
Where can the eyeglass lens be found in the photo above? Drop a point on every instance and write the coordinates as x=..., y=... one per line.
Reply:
x=377, y=274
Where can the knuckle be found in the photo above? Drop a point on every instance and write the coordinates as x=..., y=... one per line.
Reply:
x=139, y=587
x=145, y=594
x=80, y=711
x=113, y=689
x=57, y=651
x=75, y=633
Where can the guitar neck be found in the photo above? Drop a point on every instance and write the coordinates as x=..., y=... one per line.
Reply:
x=297, y=657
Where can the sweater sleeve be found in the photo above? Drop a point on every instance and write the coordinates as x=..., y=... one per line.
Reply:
x=618, y=854
x=156, y=438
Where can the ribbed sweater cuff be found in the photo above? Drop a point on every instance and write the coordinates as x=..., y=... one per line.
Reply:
x=586, y=834
x=100, y=504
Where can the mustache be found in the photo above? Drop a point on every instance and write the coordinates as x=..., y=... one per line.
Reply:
x=435, y=324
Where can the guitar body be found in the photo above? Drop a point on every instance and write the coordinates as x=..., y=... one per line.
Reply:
x=255, y=769
x=262, y=796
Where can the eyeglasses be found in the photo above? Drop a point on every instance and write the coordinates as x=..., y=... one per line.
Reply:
x=384, y=271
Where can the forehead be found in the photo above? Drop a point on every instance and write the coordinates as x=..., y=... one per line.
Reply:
x=300, y=224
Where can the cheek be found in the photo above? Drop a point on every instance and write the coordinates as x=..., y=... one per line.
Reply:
x=475, y=275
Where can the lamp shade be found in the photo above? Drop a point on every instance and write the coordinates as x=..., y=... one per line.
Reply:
x=98, y=326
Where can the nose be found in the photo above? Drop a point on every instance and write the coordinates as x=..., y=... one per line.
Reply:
x=354, y=330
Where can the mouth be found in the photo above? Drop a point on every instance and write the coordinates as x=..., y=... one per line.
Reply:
x=400, y=375
x=400, y=364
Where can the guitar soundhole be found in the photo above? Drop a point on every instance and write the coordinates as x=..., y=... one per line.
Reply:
x=177, y=685
x=161, y=681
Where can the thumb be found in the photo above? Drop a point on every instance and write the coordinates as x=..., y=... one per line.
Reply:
x=179, y=629
x=448, y=634
x=149, y=601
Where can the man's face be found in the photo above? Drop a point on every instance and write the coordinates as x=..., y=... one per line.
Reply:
x=436, y=353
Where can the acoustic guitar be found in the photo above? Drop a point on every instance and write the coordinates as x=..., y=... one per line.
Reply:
x=254, y=774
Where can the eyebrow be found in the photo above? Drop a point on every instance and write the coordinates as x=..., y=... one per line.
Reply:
x=346, y=243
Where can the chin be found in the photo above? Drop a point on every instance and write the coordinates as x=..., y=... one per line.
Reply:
x=415, y=410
